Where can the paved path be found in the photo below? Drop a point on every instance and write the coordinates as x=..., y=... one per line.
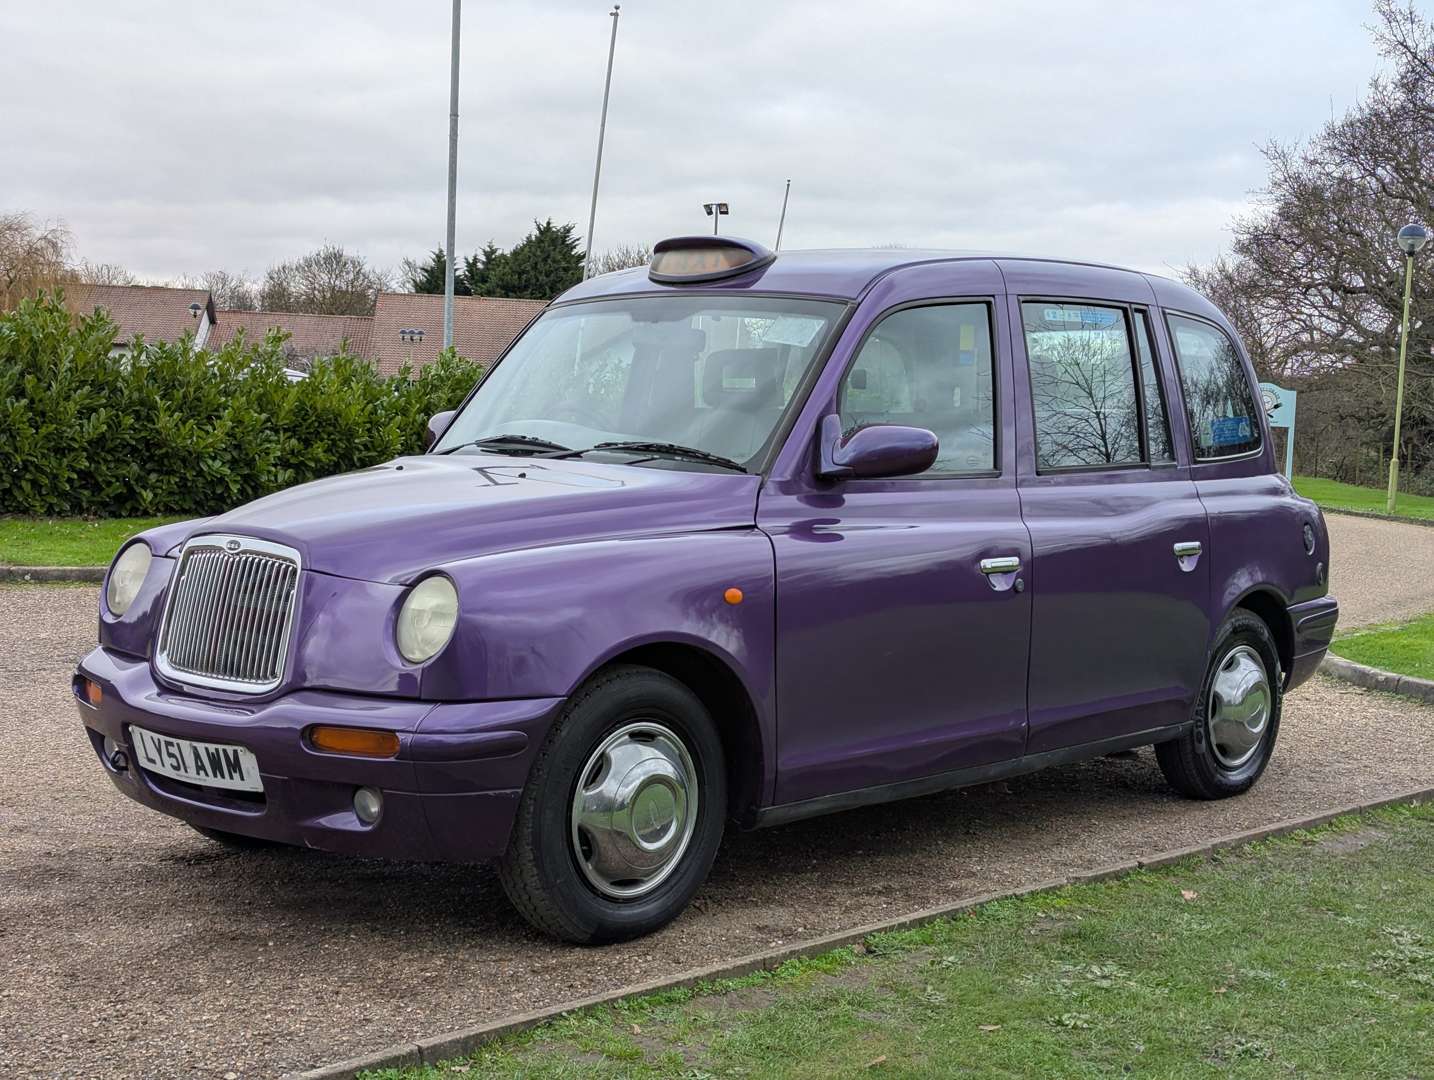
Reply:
x=131, y=947
x=1381, y=571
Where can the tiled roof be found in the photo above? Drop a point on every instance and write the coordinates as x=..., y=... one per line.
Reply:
x=482, y=327
x=309, y=335
x=157, y=312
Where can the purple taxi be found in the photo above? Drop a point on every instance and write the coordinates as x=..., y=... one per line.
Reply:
x=735, y=537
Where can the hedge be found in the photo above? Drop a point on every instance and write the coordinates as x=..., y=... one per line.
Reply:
x=168, y=429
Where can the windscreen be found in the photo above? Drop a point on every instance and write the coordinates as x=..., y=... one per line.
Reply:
x=712, y=373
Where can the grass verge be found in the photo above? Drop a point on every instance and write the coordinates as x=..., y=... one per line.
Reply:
x=1308, y=955
x=39, y=541
x=1407, y=648
x=1333, y=495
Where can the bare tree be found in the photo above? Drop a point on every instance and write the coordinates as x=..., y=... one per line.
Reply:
x=93, y=273
x=328, y=281
x=233, y=292
x=33, y=256
x=622, y=257
x=1315, y=285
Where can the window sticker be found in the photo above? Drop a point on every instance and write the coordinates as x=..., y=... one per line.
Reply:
x=1097, y=318
x=1230, y=430
x=966, y=354
x=792, y=330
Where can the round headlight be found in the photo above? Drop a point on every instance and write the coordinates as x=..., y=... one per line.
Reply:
x=426, y=621
x=126, y=576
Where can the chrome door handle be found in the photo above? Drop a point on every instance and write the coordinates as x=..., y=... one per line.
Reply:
x=1185, y=549
x=1005, y=564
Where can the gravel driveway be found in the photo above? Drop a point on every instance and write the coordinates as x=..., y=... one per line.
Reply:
x=131, y=947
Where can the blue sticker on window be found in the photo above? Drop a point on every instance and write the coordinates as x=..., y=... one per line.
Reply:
x=1084, y=317
x=1229, y=430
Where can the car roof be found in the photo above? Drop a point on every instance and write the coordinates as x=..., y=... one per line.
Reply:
x=843, y=273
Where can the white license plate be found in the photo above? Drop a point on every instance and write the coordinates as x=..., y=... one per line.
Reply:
x=218, y=765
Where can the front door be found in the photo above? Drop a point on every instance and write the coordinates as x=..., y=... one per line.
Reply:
x=902, y=613
x=1121, y=584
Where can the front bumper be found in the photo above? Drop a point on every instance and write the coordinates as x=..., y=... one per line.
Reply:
x=449, y=796
x=1313, y=625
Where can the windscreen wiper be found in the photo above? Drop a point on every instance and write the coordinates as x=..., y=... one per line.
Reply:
x=663, y=449
x=509, y=444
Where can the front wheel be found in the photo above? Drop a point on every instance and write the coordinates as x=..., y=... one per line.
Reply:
x=1235, y=719
x=622, y=813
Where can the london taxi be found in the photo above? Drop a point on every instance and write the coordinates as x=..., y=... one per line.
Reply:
x=737, y=537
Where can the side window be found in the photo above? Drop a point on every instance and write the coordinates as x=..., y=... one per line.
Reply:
x=1157, y=423
x=929, y=367
x=1223, y=422
x=1083, y=387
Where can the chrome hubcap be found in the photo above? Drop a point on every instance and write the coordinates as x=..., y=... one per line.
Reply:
x=634, y=810
x=1239, y=707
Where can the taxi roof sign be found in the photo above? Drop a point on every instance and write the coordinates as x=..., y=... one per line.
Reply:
x=689, y=260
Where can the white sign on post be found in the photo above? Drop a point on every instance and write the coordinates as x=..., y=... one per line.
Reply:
x=1279, y=406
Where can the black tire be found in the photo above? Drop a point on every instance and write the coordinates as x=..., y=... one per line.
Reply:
x=540, y=871
x=1191, y=763
x=236, y=841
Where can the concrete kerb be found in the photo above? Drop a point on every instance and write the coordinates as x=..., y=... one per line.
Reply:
x=1372, y=678
x=1375, y=515
x=41, y=574
x=457, y=1044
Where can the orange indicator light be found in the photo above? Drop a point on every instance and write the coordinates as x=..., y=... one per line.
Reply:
x=94, y=694
x=360, y=741
x=733, y=595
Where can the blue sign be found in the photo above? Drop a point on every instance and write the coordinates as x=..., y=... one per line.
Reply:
x=1279, y=405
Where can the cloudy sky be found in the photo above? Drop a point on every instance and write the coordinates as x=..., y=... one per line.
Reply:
x=179, y=137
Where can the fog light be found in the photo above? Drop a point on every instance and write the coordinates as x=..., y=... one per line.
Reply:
x=368, y=804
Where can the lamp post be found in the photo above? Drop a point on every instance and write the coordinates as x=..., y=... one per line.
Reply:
x=448, y=254
x=1411, y=238
x=715, y=210
x=602, y=132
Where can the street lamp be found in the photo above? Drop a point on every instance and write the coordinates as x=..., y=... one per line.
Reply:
x=1411, y=238
x=602, y=132
x=715, y=210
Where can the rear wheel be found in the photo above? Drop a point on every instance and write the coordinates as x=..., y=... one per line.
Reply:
x=622, y=813
x=1236, y=718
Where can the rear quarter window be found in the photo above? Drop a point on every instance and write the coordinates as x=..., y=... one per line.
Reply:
x=1218, y=399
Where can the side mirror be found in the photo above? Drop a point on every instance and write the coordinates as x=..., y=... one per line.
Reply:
x=877, y=451
x=437, y=425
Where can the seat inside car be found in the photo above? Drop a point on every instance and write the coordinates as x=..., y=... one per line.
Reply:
x=742, y=399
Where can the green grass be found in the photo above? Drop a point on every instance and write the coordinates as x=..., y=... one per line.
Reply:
x=1311, y=955
x=35, y=541
x=1333, y=495
x=1407, y=648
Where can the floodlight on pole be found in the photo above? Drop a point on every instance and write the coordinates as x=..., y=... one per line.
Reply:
x=615, y=14
x=715, y=210
x=1410, y=238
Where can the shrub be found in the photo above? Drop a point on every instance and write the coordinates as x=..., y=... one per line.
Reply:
x=166, y=428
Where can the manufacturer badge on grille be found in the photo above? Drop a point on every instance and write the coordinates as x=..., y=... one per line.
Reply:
x=231, y=545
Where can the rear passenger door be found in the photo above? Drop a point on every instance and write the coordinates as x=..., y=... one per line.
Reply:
x=1120, y=579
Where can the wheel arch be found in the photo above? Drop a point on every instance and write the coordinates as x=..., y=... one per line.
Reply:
x=726, y=697
x=1267, y=605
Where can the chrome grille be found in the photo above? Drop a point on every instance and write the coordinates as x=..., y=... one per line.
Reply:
x=230, y=613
